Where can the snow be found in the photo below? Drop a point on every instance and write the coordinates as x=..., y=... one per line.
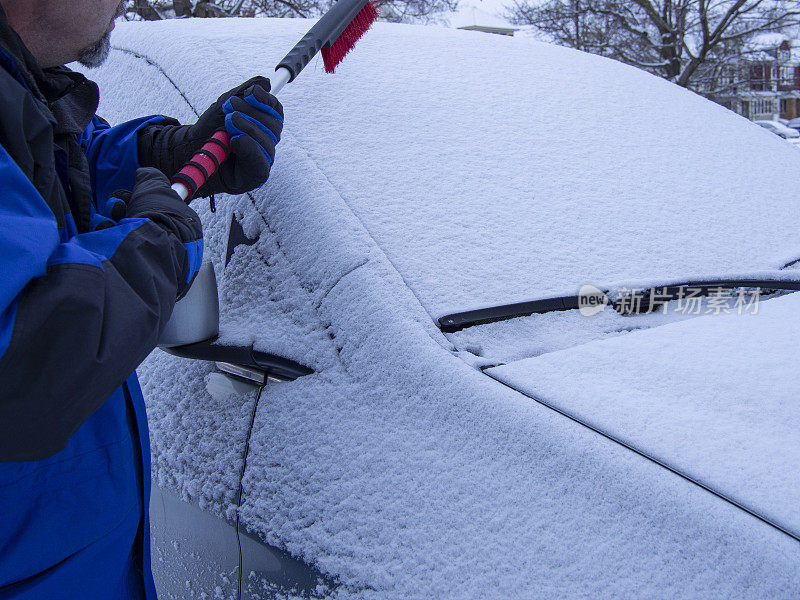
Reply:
x=410, y=475
x=533, y=335
x=715, y=397
x=486, y=13
x=534, y=196
x=398, y=468
x=195, y=440
x=766, y=41
x=763, y=47
x=514, y=339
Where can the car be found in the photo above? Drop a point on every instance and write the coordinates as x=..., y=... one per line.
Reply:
x=794, y=124
x=790, y=134
x=467, y=282
x=780, y=129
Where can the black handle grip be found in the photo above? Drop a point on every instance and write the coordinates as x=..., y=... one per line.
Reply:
x=322, y=35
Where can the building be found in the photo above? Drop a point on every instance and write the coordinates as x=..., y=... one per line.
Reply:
x=482, y=15
x=765, y=83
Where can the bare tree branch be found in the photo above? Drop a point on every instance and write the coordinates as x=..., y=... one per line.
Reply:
x=686, y=41
x=391, y=10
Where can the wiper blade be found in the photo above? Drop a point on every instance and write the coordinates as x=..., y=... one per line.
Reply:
x=481, y=316
x=649, y=301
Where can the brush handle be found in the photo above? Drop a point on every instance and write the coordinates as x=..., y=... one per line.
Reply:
x=202, y=165
x=215, y=151
x=322, y=35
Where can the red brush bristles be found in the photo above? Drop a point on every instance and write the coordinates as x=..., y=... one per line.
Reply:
x=331, y=57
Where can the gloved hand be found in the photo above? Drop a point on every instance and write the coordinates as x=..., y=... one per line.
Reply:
x=153, y=198
x=252, y=117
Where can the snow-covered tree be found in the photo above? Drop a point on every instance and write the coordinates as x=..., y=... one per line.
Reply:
x=685, y=41
x=390, y=10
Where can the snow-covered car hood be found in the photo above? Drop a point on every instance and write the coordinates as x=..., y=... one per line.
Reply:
x=441, y=170
x=714, y=398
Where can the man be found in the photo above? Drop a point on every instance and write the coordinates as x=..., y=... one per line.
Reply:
x=94, y=250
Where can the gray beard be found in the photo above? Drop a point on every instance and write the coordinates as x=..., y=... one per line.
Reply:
x=96, y=54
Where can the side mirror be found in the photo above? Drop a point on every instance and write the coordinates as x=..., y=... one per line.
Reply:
x=193, y=330
x=195, y=317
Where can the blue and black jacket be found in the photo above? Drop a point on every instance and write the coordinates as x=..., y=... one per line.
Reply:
x=80, y=308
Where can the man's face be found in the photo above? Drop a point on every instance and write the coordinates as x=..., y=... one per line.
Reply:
x=96, y=52
x=76, y=29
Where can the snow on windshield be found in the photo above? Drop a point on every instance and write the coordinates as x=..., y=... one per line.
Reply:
x=492, y=170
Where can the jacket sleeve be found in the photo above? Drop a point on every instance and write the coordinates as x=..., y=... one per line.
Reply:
x=77, y=314
x=113, y=155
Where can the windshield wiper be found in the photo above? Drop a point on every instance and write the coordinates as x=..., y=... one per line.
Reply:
x=481, y=316
x=650, y=299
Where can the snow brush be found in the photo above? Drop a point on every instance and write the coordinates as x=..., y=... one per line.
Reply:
x=194, y=324
x=334, y=35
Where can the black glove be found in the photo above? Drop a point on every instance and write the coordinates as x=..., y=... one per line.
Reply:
x=252, y=117
x=153, y=198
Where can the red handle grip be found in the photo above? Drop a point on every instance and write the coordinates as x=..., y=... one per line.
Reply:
x=203, y=164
